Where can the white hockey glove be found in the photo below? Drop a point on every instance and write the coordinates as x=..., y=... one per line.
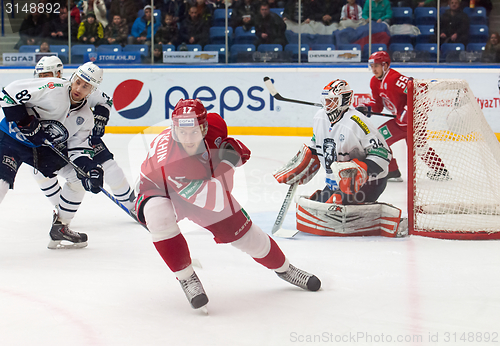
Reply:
x=301, y=168
x=352, y=176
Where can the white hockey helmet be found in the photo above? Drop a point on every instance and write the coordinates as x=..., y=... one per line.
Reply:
x=90, y=73
x=48, y=64
x=336, y=99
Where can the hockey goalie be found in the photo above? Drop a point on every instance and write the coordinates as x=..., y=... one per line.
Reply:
x=356, y=158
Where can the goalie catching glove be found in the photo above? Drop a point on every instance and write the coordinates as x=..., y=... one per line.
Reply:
x=94, y=178
x=300, y=169
x=352, y=176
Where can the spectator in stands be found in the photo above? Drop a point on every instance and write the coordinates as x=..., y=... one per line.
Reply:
x=350, y=16
x=381, y=11
x=424, y=3
x=90, y=30
x=74, y=12
x=168, y=32
x=127, y=9
x=31, y=29
x=57, y=29
x=326, y=12
x=44, y=47
x=141, y=29
x=454, y=26
x=491, y=52
x=205, y=11
x=98, y=8
x=269, y=27
x=244, y=13
x=176, y=8
x=157, y=54
x=276, y=3
x=116, y=32
x=291, y=12
x=194, y=30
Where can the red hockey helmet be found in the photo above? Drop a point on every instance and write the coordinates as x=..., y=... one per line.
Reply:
x=189, y=113
x=379, y=57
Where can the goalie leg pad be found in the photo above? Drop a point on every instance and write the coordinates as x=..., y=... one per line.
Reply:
x=301, y=168
x=347, y=220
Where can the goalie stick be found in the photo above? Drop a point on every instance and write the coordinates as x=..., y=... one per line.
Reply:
x=272, y=90
x=277, y=230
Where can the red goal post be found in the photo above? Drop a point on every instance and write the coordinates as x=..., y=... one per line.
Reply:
x=448, y=133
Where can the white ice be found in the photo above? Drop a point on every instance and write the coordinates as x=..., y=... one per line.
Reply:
x=118, y=291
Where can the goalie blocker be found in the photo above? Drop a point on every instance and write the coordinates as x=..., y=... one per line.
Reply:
x=368, y=219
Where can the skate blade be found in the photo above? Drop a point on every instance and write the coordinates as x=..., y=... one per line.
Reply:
x=395, y=180
x=63, y=244
x=204, y=310
x=196, y=263
x=285, y=233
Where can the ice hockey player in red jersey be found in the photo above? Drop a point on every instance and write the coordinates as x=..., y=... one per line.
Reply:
x=189, y=174
x=389, y=90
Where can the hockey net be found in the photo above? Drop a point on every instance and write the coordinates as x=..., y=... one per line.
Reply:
x=448, y=134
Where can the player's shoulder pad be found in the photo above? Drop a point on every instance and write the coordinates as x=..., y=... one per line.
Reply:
x=360, y=123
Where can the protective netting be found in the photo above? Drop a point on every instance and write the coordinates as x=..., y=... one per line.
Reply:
x=456, y=163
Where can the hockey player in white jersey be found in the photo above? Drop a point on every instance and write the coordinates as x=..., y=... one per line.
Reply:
x=34, y=111
x=100, y=103
x=355, y=157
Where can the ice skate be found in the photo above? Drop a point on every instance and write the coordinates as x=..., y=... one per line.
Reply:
x=439, y=175
x=300, y=278
x=61, y=237
x=394, y=176
x=130, y=203
x=194, y=291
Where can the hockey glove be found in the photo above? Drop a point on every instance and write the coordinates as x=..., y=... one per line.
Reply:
x=300, y=169
x=353, y=176
x=101, y=117
x=366, y=110
x=233, y=150
x=34, y=132
x=94, y=178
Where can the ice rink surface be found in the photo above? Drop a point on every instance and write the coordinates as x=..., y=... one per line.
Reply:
x=118, y=291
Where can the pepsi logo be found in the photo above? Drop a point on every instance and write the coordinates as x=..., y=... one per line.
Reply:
x=131, y=99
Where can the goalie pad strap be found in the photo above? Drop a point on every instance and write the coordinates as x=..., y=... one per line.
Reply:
x=347, y=220
x=300, y=169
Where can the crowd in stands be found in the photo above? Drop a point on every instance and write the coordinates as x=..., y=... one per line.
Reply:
x=188, y=22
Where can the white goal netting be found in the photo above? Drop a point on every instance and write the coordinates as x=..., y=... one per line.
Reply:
x=455, y=192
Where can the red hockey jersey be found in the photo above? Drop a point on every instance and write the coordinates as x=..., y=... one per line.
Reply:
x=198, y=183
x=390, y=92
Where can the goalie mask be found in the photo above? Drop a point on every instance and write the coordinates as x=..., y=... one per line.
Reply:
x=49, y=64
x=189, y=123
x=336, y=99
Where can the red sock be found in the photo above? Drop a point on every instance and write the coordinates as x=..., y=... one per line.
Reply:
x=175, y=252
x=274, y=259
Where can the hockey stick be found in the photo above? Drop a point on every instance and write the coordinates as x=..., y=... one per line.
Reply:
x=83, y=173
x=277, y=230
x=272, y=89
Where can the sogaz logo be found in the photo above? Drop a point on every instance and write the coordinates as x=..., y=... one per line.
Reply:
x=132, y=99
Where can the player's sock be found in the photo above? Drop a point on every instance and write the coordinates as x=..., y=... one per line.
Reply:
x=115, y=178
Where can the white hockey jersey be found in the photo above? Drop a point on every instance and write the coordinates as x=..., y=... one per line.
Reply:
x=48, y=99
x=99, y=97
x=352, y=137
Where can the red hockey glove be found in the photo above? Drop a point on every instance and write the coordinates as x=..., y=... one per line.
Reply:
x=229, y=144
x=353, y=176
